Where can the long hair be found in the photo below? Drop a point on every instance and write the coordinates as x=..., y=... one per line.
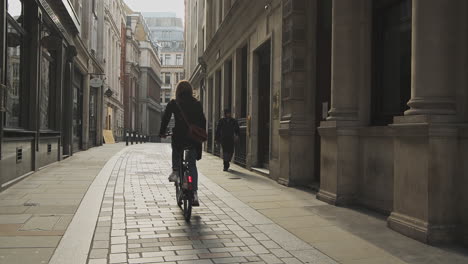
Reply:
x=184, y=91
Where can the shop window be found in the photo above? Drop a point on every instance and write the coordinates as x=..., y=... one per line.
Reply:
x=15, y=65
x=49, y=47
x=392, y=60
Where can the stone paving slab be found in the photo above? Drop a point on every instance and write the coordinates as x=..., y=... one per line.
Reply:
x=348, y=235
x=139, y=221
x=244, y=218
x=35, y=212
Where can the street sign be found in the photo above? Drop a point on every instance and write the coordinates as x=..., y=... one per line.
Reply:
x=95, y=82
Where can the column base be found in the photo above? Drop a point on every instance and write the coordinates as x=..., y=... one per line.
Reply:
x=295, y=168
x=339, y=163
x=327, y=197
x=284, y=181
x=420, y=230
x=333, y=199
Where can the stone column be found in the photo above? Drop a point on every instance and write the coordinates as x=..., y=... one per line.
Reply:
x=351, y=53
x=214, y=107
x=208, y=21
x=436, y=56
x=346, y=59
x=237, y=83
x=427, y=143
x=226, y=7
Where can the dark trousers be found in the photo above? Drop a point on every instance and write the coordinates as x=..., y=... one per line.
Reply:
x=227, y=157
x=228, y=152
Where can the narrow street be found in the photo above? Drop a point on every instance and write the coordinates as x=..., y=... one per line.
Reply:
x=74, y=212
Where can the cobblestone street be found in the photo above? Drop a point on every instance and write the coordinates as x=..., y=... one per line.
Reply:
x=139, y=222
x=114, y=204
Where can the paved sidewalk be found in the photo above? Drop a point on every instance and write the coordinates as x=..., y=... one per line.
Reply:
x=348, y=235
x=35, y=212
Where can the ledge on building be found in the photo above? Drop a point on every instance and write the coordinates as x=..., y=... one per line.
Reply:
x=262, y=171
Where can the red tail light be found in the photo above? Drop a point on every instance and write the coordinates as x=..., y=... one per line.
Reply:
x=190, y=179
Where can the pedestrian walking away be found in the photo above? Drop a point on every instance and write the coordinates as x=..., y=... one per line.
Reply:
x=185, y=108
x=227, y=133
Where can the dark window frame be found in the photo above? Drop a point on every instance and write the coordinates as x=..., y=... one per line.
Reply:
x=379, y=117
x=23, y=98
x=54, y=80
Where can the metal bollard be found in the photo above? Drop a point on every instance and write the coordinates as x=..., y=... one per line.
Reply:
x=131, y=138
x=141, y=139
x=126, y=138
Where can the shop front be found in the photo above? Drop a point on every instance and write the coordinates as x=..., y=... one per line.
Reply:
x=35, y=50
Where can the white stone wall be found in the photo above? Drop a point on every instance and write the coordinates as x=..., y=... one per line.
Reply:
x=114, y=18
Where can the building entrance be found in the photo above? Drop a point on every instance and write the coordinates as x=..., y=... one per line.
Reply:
x=77, y=110
x=264, y=86
x=93, y=117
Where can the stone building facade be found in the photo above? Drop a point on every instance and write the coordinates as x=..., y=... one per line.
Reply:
x=48, y=110
x=168, y=32
x=113, y=101
x=132, y=73
x=366, y=100
x=143, y=79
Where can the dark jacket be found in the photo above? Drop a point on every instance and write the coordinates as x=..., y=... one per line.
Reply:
x=226, y=130
x=193, y=111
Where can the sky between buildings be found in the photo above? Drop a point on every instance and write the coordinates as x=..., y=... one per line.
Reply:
x=175, y=6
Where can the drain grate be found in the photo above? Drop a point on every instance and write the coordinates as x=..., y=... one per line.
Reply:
x=235, y=178
x=31, y=204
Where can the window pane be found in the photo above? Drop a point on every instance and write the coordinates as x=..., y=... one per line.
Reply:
x=167, y=78
x=15, y=9
x=167, y=59
x=47, y=86
x=178, y=59
x=14, y=74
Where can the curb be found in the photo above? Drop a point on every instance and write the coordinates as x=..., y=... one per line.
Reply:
x=74, y=245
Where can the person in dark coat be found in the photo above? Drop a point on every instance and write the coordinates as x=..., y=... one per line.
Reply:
x=193, y=111
x=227, y=132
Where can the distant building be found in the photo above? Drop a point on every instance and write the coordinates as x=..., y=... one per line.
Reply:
x=168, y=31
x=113, y=102
x=142, y=78
x=132, y=73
